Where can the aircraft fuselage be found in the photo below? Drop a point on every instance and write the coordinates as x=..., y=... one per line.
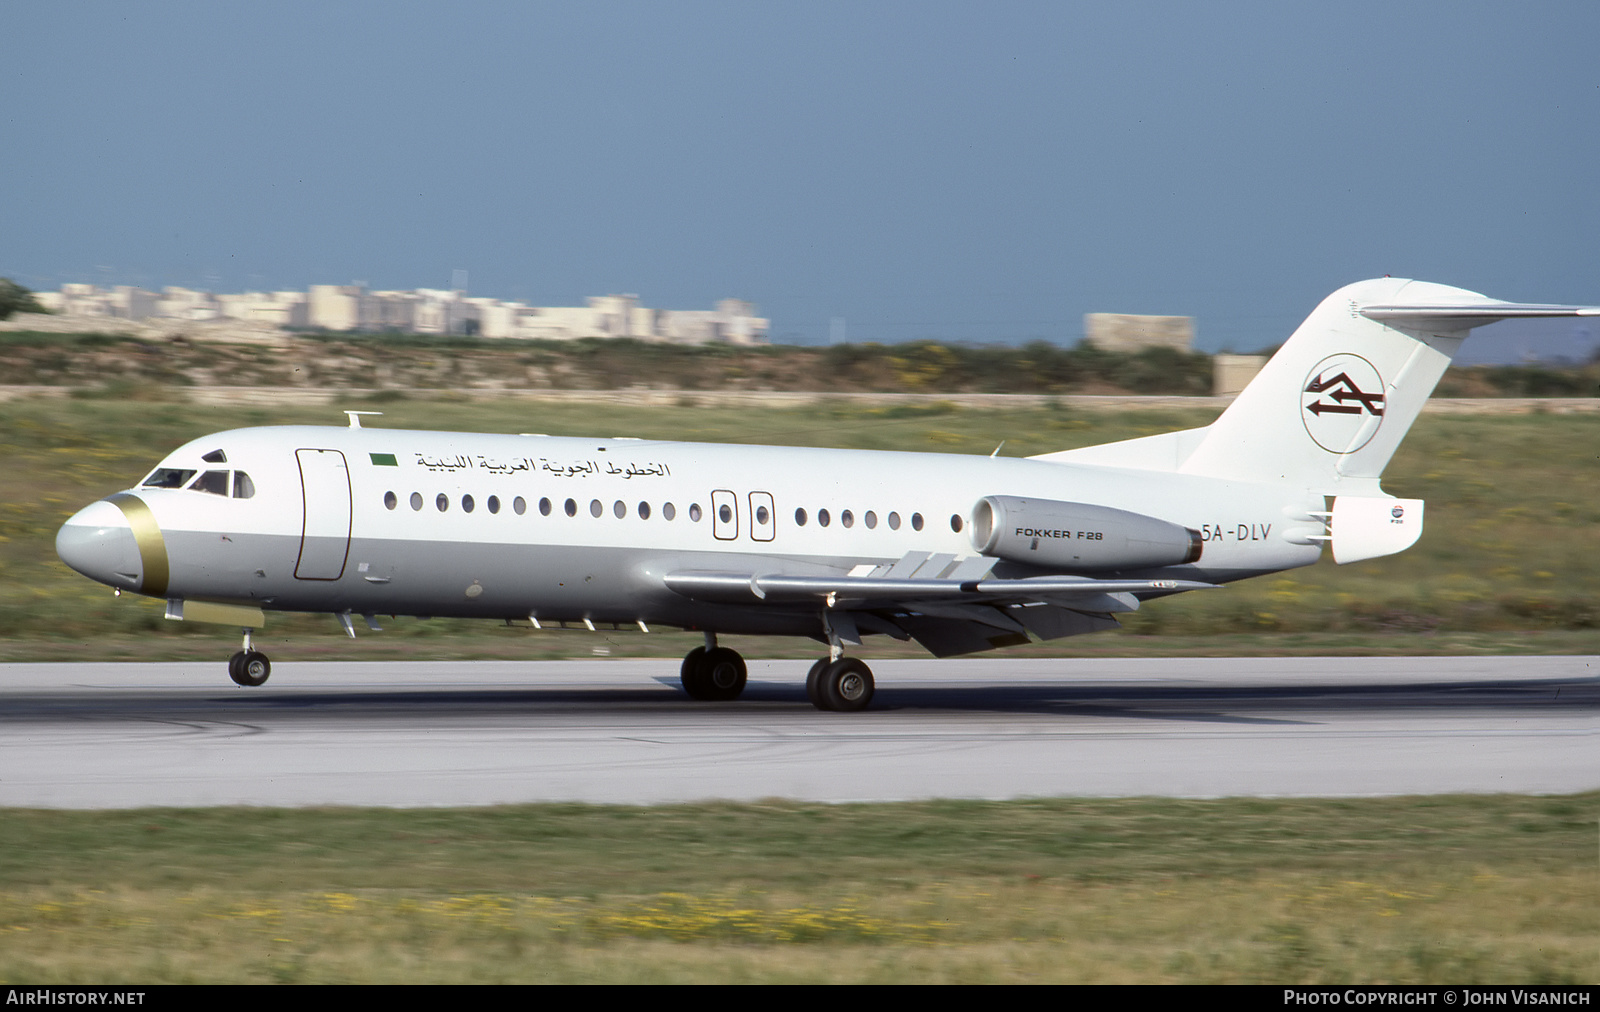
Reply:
x=382, y=521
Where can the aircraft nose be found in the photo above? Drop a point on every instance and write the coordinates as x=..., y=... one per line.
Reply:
x=116, y=541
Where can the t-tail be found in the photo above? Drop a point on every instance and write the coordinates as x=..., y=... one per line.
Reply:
x=1331, y=407
x=1329, y=410
x=1327, y=413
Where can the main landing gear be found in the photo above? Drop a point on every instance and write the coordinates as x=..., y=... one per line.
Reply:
x=716, y=673
x=838, y=682
x=249, y=666
x=843, y=684
x=713, y=673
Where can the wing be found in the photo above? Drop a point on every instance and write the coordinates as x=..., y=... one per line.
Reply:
x=947, y=614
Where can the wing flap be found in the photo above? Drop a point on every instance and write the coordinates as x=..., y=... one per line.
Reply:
x=947, y=616
x=875, y=591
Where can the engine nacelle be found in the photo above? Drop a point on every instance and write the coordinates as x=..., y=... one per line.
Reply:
x=1078, y=536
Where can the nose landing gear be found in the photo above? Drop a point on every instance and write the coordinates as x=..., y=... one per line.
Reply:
x=249, y=666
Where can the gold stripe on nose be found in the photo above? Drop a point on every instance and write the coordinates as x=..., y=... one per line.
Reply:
x=147, y=535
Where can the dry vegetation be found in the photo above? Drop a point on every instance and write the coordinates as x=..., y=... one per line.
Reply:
x=124, y=364
x=1402, y=890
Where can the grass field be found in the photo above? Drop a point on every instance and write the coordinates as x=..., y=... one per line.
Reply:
x=1401, y=890
x=1505, y=565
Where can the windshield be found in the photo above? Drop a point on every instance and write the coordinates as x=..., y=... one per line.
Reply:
x=214, y=482
x=167, y=477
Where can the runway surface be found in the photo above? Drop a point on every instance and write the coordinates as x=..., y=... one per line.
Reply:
x=473, y=733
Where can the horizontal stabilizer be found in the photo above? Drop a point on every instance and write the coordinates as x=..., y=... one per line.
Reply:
x=1450, y=317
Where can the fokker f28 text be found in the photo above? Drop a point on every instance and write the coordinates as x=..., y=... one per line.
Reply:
x=959, y=553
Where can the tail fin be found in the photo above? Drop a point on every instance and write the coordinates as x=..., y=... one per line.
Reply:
x=1331, y=407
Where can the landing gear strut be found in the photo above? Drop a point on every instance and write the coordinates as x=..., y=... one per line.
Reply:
x=838, y=682
x=713, y=673
x=249, y=666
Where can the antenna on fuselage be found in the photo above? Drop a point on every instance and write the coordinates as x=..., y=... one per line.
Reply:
x=355, y=417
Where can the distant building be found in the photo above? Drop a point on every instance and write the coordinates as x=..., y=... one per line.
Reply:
x=732, y=322
x=339, y=307
x=1122, y=332
x=187, y=304
x=1230, y=374
x=422, y=311
x=280, y=309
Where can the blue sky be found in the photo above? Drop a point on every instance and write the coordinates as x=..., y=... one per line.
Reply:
x=982, y=172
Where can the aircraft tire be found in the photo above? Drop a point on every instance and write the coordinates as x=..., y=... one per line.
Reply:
x=249, y=668
x=813, y=684
x=691, y=674
x=846, y=685
x=723, y=674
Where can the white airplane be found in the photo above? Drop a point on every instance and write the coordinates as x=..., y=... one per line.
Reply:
x=960, y=553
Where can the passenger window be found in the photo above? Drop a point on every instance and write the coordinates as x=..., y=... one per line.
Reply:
x=442, y=501
x=493, y=504
x=644, y=511
x=871, y=520
x=595, y=509
x=416, y=500
x=390, y=500
x=823, y=518
x=466, y=504
x=167, y=477
x=894, y=521
x=244, y=488
x=519, y=505
x=669, y=511
x=694, y=512
x=847, y=518
x=619, y=509
x=916, y=521
x=571, y=506
x=215, y=482
x=544, y=507
x=800, y=517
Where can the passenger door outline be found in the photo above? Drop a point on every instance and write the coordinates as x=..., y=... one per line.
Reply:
x=325, y=520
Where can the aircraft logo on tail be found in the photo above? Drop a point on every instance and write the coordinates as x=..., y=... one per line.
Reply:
x=1342, y=403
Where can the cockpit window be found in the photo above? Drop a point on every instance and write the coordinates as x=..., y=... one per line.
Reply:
x=168, y=477
x=215, y=482
x=215, y=457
